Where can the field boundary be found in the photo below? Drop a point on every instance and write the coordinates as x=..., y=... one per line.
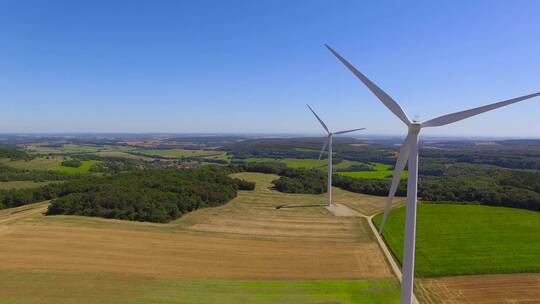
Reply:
x=387, y=253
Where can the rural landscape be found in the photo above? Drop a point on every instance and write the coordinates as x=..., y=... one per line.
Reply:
x=269, y=152
x=126, y=221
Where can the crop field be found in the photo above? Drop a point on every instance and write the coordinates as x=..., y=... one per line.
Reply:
x=50, y=163
x=480, y=289
x=112, y=288
x=66, y=148
x=469, y=239
x=84, y=168
x=40, y=163
x=382, y=171
x=178, y=153
x=244, y=251
x=308, y=163
x=119, y=154
x=21, y=184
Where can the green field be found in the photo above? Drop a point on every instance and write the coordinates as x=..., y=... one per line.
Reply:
x=40, y=163
x=51, y=163
x=468, y=239
x=308, y=163
x=177, y=153
x=21, y=184
x=110, y=288
x=84, y=168
x=383, y=171
x=307, y=150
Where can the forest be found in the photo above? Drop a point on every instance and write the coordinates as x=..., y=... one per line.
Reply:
x=501, y=173
x=146, y=195
x=440, y=180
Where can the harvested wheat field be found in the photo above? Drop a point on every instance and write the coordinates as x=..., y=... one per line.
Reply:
x=481, y=289
x=246, y=239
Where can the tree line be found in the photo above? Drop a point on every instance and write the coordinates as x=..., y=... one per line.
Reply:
x=155, y=195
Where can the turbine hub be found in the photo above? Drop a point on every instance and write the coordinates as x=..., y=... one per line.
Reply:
x=415, y=127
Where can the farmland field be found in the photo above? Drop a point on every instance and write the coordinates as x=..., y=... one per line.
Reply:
x=382, y=171
x=308, y=163
x=51, y=163
x=244, y=251
x=40, y=163
x=84, y=168
x=111, y=288
x=469, y=239
x=480, y=289
x=178, y=153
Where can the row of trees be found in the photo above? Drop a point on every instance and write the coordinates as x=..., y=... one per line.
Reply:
x=301, y=181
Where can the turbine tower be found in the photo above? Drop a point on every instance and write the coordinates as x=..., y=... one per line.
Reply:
x=328, y=142
x=409, y=151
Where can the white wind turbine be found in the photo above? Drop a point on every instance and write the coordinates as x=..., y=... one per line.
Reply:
x=409, y=151
x=328, y=142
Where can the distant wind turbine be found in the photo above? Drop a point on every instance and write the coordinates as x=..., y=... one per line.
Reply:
x=328, y=142
x=409, y=151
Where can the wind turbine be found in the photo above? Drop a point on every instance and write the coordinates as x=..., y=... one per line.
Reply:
x=328, y=142
x=409, y=151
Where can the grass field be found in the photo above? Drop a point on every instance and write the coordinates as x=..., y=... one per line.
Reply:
x=84, y=168
x=469, y=239
x=51, y=163
x=21, y=184
x=178, y=153
x=40, y=163
x=308, y=163
x=480, y=289
x=109, y=288
x=243, y=252
x=382, y=171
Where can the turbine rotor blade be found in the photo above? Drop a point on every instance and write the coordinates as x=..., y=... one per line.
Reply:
x=390, y=103
x=398, y=170
x=450, y=118
x=348, y=131
x=319, y=119
x=324, y=146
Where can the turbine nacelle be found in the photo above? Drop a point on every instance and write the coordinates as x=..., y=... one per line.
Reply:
x=415, y=127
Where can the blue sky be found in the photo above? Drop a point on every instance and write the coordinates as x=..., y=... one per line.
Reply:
x=251, y=66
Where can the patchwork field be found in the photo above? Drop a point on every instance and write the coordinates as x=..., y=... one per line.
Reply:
x=308, y=163
x=382, y=171
x=469, y=239
x=178, y=153
x=50, y=163
x=242, y=251
x=98, y=288
x=40, y=163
